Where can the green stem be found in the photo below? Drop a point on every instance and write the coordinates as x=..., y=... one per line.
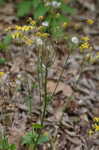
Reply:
x=45, y=97
x=44, y=105
x=38, y=76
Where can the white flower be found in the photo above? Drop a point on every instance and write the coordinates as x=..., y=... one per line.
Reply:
x=39, y=41
x=75, y=40
x=45, y=24
x=56, y=4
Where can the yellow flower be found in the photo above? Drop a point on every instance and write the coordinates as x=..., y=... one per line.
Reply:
x=38, y=34
x=96, y=127
x=96, y=119
x=43, y=35
x=24, y=28
x=16, y=35
x=85, y=38
x=90, y=132
x=90, y=21
x=65, y=24
x=27, y=40
x=18, y=27
x=2, y=74
x=83, y=46
x=31, y=21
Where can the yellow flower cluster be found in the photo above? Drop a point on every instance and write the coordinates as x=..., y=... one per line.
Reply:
x=16, y=35
x=85, y=38
x=95, y=126
x=96, y=123
x=90, y=21
x=27, y=40
x=90, y=132
x=84, y=45
x=19, y=35
x=20, y=28
x=21, y=32
x=42, y=35
x=96, y=119
x=24, y=28
x=31, y=21
x=91, y=58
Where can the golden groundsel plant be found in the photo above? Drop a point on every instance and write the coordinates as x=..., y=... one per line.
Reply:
x=21, y=33
x=95, y=126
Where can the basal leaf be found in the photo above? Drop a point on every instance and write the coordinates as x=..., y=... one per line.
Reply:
x=40, y=11
x=29, y=138
x=2, y=46
x=67, y=9
x=37, y=126
x=24, y=8
x=7, y=39
x=42, y=139
x=2, y=61
x=60, y=20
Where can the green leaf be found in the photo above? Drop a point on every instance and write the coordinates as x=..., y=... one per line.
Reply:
x=24, y=8
x=60, y=20
x=37, y=126
x=34, y=86
x=2, y=2
x=56, y=30
x=2, y=46
x=2, y=61
x=29, y=138
x=12, y=147
x=67, y=9
x=7, y=40
x=36, y=3
x=42, y=139
x=49, y=19
x=40, y=11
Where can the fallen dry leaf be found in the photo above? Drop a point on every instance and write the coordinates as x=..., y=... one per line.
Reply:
x=62, y=87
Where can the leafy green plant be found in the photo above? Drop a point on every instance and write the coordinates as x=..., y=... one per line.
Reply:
x=2, y=61
x=32, y=138
x=52, y=14
x=5, y=43
x=45, y=57
x=4, y=144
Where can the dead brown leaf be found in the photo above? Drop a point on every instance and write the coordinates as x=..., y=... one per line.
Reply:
x=62, y=87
